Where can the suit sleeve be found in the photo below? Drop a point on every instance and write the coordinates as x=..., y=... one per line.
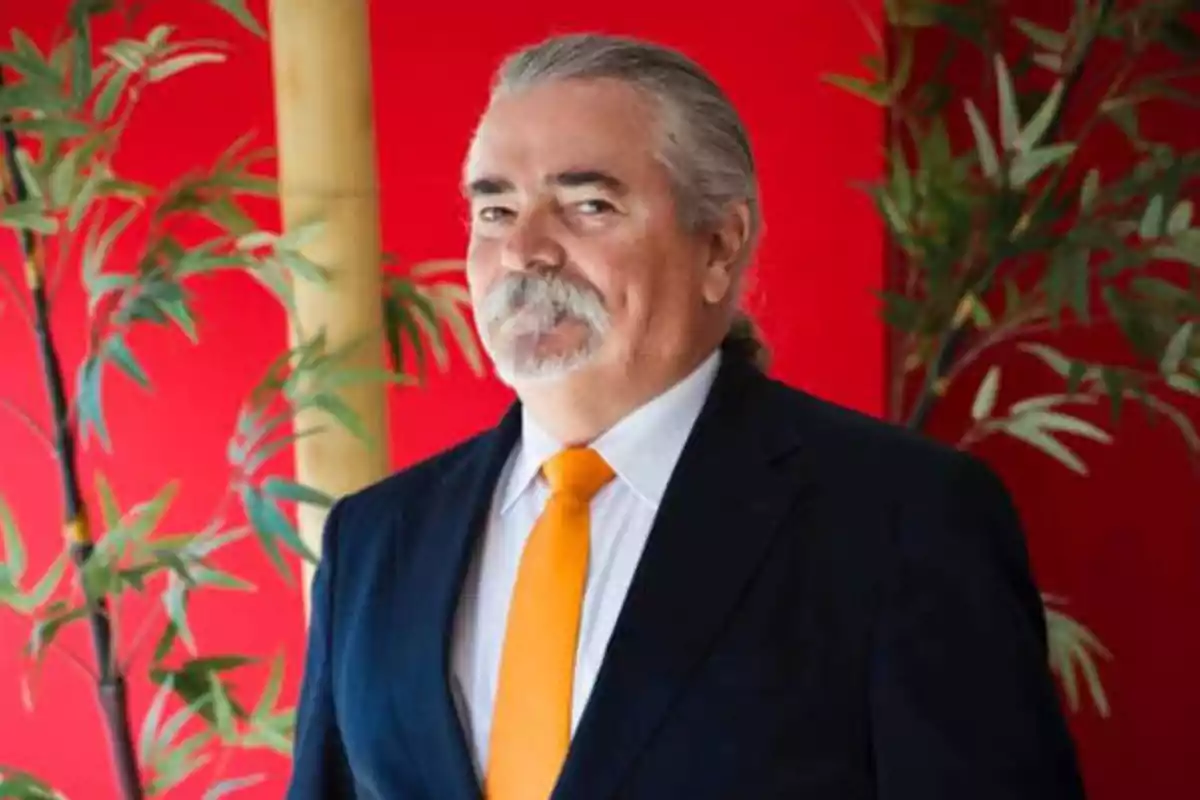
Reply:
x=319, y=767
x=963, y=701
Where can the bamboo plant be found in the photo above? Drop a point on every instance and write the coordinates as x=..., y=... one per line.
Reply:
x=1006, y=239
x=64, y=109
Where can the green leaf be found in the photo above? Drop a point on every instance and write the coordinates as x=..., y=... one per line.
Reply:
x=989, y=161
x=271, y=691
x=44, y=588
x=1188, y=384
x=1052, y=62
x=222, y=709
x=150, y=724
x=28, y=173
x=1151, y=224
x=27, y=60
x=89, y=402
x=237, y=9
x=28, y=215
x=1090, y=189
x=1180, y=219
x=901, y=181
x=86, y=195
x=304, y=267
x=179, y=313
x=877, y=93
x=1037, y=127
x=1042, y=403
x=1010, y=117
x=271, y=525
x=1028, y=165
x=450, y=300
x=1031, y=434
x=1052, y=358
x=110, y=95
x=19, y=785
x=985, y=397
x=396, y=321
x=227, y=787
x=166, y=641
x=116, y=347
x=58, y=127
x=1125, y=117
x=172, y=66
x=1079, y=371
x=1177, y=349
x=47, y=627
x=14, y=547
x=1051, y=40
x=95, y=253
x=1055, y=421
x=179, y=764
x=343, y=413
x=174, y=600
x=297, y=492
x=1073, y=648
x=1114, y=387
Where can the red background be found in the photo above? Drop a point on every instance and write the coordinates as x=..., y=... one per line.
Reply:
x=1126, y=556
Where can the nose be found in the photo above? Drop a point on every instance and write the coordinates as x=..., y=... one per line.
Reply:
x=532, y=244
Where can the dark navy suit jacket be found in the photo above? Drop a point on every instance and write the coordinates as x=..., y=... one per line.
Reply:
x=827, y=608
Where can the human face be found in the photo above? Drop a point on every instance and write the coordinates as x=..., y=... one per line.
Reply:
x=576, y=258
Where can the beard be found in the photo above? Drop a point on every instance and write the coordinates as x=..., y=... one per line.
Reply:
x=538, y=327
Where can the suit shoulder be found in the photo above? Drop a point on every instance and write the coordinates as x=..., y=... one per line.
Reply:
x=363, y=515
x=876, y=451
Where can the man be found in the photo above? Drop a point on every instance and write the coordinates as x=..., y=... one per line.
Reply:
x=663, y=574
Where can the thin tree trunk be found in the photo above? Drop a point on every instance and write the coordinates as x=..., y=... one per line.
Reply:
x=110, y=683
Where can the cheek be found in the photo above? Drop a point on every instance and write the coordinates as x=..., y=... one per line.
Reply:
x=481, y=266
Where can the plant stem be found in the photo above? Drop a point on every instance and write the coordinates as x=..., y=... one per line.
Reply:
x=110, y=682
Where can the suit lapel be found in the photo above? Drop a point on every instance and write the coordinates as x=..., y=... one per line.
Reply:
x=716, y=520
x=436, y=568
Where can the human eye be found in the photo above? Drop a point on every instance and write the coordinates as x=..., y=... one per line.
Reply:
x=492, y=214
x=594, y=206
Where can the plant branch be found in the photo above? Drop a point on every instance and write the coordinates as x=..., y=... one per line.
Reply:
x=110, y=683
x=950, y=342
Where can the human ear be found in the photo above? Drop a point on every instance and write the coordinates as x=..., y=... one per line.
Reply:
x=726, y=250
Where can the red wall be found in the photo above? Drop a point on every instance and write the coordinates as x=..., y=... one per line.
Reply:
x=819, y=264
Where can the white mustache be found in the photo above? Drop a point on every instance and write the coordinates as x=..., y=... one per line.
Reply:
x=536, y=303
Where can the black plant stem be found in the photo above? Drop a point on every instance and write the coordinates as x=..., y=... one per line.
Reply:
x=110, y=682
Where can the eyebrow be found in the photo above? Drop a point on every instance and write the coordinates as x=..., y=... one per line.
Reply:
x=490, y=185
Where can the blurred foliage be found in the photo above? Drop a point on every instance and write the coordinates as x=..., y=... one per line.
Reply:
x=139, y=249
x=1004, y=231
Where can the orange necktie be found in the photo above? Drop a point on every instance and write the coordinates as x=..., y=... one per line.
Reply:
x=531, y=726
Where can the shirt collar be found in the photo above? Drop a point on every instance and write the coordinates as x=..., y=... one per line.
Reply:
x=642, y=448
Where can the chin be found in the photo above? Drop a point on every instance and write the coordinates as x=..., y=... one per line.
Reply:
x=531, y=360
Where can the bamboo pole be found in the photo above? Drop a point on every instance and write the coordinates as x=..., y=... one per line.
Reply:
x=320, y=53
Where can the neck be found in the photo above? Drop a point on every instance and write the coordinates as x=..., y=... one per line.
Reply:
x=579, y=407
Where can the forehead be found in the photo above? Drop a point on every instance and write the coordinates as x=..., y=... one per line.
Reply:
x=565, y=125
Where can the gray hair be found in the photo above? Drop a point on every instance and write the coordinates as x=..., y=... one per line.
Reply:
x=706, y=149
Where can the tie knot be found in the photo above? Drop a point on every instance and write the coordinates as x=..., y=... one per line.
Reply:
x=577, y=471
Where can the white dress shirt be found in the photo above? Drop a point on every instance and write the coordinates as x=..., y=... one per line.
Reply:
x=642, y=449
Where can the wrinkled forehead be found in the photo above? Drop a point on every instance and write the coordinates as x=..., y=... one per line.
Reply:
x=561, y=126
